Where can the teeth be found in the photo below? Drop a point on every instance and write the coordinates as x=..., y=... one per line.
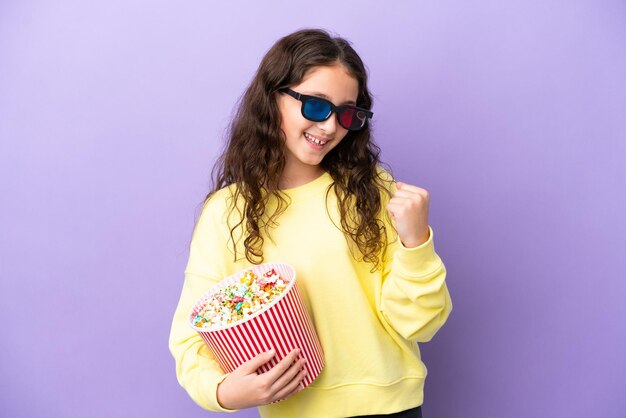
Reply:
x=314, y=140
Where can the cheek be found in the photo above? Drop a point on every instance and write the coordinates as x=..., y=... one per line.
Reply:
x=293, y=121
x=337, y=142
x=299, y=125
x=342, y=133
x=289, y=117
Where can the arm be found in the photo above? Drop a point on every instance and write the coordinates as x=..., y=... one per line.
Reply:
x=415, y=300
x=197, y=370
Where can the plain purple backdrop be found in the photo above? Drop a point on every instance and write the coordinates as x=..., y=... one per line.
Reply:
x=511, y=114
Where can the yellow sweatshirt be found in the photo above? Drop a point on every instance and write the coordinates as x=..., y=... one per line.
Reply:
x=368, y=323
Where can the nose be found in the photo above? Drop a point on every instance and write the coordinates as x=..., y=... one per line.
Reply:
x=329, y=126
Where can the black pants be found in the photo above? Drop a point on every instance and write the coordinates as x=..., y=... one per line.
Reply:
x=409, y=413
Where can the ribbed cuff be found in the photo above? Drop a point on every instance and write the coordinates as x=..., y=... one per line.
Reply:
x=418, y=262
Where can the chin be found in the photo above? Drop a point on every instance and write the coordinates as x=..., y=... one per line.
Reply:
x=312, y=162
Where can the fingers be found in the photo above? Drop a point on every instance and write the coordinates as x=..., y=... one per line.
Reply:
x=259, y=360
x=294, y=386
x=283, y=380
x=289, y=375
x=277, y=371
x=398, y=204
x=408, y=189
x=407, y=194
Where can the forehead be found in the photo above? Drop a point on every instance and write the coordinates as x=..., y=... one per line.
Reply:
x=333, y=83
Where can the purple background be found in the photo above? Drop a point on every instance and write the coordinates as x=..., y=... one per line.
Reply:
x=512, y=115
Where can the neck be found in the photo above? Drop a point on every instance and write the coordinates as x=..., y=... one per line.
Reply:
x=292, y=177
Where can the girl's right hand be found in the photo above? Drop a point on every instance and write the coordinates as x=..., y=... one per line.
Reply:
x=244, y=388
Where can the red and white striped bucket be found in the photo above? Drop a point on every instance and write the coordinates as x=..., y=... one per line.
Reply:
x=282, y=325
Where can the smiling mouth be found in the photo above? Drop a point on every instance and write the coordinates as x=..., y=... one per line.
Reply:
x=314, y=140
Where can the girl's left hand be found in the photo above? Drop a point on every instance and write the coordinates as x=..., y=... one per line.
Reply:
x=409, y=210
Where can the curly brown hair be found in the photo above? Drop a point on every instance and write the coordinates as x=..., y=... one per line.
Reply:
x=253, y=158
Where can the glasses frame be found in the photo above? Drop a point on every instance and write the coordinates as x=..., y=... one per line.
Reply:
x=333, y=109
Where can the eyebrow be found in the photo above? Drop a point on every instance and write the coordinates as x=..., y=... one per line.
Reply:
x=322, y=95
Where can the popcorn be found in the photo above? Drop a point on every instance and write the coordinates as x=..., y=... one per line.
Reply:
x=241, y=300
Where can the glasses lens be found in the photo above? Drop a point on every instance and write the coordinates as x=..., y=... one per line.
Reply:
x=351, y=118
x=359, y=120
x=346, y=117
x=316, y=109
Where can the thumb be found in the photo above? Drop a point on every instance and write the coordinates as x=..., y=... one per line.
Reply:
x=399, y=185
x=257, y=361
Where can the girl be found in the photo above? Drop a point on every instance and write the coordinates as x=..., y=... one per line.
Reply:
x=300, y=181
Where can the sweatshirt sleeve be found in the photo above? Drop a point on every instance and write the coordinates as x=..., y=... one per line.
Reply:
x=197, y=370
x=415, y=300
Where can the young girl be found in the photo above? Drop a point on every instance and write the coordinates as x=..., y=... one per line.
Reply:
x=300, y=182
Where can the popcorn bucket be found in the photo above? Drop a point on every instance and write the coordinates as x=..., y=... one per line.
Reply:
x=282, y=325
